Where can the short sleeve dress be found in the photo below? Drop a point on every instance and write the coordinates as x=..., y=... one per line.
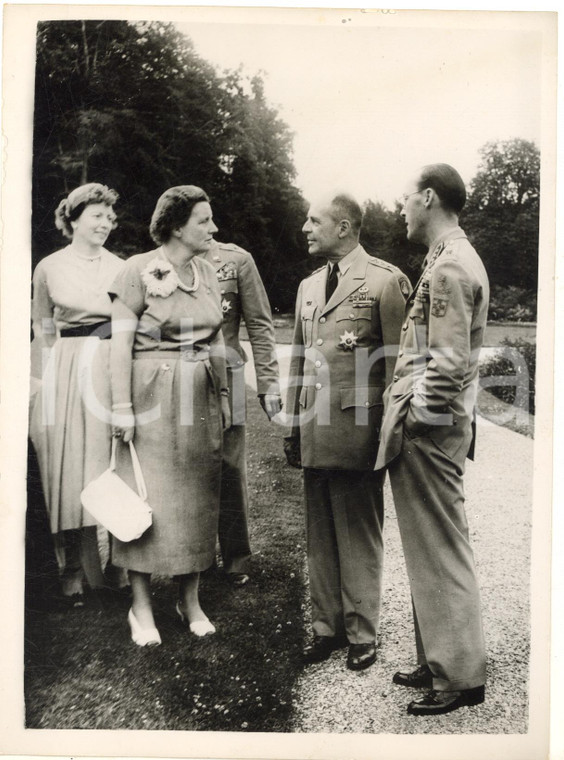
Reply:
x=178, y=432
x=70, y=418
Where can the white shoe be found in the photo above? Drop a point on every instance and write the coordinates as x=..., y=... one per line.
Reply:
x=199, y=627
x=142, y=636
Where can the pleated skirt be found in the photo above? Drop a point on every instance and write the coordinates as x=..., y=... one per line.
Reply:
x=70, y=426
x=178, y=438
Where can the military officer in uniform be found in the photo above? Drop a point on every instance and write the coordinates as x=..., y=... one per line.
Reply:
x=348, y=319
x=426, y=435
x=242, y=295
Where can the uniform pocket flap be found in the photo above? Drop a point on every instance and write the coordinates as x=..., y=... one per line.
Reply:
x=361, y=395
x=308, y=310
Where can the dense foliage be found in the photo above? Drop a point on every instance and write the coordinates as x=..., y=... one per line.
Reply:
x=512, y=304
x=133, y=106
x=515, y=365
x=502, y=213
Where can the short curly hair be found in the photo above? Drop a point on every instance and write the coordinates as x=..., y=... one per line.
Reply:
x=71, y=207
x=173, y=210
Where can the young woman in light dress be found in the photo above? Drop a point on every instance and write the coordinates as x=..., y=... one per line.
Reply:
x=70, y=418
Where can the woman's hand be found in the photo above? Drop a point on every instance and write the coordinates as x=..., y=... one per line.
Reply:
x=225, y=412
x=123, y=425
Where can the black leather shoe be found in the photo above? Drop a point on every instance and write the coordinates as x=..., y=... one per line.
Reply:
x=321, y=648
x=421, y=678
x=361, y=656
x=440, y=702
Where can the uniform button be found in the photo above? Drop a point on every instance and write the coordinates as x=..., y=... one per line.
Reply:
x=351, y=316
x=165, y=367
x=400, y=353
x=319, y=341
x=367, y=403
x=318, y=363
x=317, y=386
x=396, y=378
x=222, y=291
x=239, y=362
x=322, y=320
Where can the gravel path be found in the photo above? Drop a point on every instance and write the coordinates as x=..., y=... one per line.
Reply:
x=498, y=505
x=498, y=486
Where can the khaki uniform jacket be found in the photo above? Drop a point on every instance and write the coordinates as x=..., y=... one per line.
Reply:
x=436, y=374
x=339, y=369
x=243, y=296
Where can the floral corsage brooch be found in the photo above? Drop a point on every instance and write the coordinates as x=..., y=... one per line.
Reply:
x=160, y=278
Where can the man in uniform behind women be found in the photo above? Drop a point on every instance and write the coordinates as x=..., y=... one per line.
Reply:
x=426, y=430
x=167, y=345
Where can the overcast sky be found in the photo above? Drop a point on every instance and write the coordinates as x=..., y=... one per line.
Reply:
x=368, y=104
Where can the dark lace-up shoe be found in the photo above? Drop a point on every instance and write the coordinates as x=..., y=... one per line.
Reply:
x=441, y=702
x=321, y=648
x=361, y=656
x=421, y=678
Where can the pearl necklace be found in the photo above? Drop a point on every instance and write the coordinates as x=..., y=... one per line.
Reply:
x=85, y=256
x=195, y=275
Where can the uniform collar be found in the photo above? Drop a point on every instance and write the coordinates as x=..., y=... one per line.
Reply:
x=440, y=242
x=347, y=261
x=451, y=234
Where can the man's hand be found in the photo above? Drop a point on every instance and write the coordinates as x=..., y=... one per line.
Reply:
x=225, y=413
x=414, y=427
x=292, y=451
x=271, y=403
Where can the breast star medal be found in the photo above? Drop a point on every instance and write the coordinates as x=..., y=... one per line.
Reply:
x=225, y=306
x=348, y=340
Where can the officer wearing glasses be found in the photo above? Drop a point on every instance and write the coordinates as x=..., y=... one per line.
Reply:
x=427, y=433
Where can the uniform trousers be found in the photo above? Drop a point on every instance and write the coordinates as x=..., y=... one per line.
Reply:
x=233, y=532
x=344, y=522
x=429, y=500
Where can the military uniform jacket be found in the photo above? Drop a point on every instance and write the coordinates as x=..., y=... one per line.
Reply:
x=436, y=373
x=342, y=358
x=243, y=295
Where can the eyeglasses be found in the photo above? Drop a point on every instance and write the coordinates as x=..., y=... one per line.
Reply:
x=404, y=198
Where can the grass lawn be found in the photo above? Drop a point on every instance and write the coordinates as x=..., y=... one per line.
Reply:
x=83, y=671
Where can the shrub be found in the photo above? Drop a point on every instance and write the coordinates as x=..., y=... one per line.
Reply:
x=509, y=364
x=512, y=304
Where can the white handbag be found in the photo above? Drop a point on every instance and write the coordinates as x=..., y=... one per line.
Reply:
x=114, y=504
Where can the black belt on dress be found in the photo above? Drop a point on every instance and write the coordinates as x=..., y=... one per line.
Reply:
x=83, y=331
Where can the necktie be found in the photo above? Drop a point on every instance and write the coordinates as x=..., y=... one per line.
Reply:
x=332, y=281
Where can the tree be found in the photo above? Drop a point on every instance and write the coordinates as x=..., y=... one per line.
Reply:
x=502, y=212
x=383, y=235
x=133, y=106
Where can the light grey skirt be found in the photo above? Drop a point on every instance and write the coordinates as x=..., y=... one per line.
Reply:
x=178, y=438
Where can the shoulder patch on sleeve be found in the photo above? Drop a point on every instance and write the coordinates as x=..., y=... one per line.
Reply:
x=404, y=286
